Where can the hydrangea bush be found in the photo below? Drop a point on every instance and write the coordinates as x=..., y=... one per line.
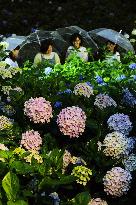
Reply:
x=58, y=117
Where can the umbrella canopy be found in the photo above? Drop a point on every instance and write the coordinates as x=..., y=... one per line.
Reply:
x=32, y=44
x=113, y=36
x=66, y=33
x=14, y=41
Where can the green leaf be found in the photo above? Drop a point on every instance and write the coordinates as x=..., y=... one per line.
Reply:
x=48, y=182
x=82, y=198
x=10, y=184
x=19, y=202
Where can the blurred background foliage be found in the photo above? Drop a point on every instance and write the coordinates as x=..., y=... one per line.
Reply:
x=20, y=16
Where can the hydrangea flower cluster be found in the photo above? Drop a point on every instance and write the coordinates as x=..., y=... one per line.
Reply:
x=6, y=89
x=83, y=89
x=18, y=89
x=66, y=160
x=8, y=110
x=130, y=162
x=5, y=123
x=34, y=154
x=97, y=201
x=78, y=161
x=128, y=97
x=132, y=66
x=71, y=121
x=116, y=145
x=19, y=151
x=120, y=122
x=117, y=181
x=31, y=140
x=38, y=110
x=8, y=73
x=103, y=101
x=82, y=174
x=3, y=147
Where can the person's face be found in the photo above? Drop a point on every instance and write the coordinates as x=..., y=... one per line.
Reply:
x=15, y=53
x=49, y=49
x=111, y=47
x=77, y=43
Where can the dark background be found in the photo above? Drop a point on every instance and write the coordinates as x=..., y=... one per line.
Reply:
x=20, y=16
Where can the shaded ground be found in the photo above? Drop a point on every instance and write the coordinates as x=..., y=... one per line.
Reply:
x=20, y=16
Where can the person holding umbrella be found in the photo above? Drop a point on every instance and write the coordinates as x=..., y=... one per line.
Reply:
x=76, y=47
x=46, y=54
x=113, y=54
x=13, y=49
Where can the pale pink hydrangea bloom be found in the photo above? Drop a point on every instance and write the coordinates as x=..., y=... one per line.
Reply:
x=103, y=101
x=83, y=89
x=38, y=110
x=97, y=201
x=71, y=121
x=117, y=181
x=31, y=140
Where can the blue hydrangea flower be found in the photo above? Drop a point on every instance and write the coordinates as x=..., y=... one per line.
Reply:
x=128, y=98
x=68, y=91
x=88, y=83
x=47, y=70
x=81, y=77
x=120, y=123
x=132, y=66
x=99, y=79
x=121, y=77
x=58, y=104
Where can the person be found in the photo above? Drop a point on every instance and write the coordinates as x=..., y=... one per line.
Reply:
x=11, y=60
x=113, y=54
x=46, y=54
x=76, y=46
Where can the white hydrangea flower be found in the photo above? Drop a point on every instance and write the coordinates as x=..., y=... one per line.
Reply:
x=117, y=145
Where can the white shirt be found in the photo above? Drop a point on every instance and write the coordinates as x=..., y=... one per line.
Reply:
x=81, y=52
x=12, y=63
x=110, y=59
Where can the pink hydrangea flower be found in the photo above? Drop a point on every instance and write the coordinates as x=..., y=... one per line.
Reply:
x=71, y=121
x=38, y=110
x=31, y=140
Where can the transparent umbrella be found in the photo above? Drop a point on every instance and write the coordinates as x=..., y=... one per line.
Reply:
x=66, y=33
x=32, y=44
x=14, y=41
x=112, y=35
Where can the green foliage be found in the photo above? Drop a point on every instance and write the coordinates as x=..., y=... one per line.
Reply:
x=10, y=184
x=81, y=198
